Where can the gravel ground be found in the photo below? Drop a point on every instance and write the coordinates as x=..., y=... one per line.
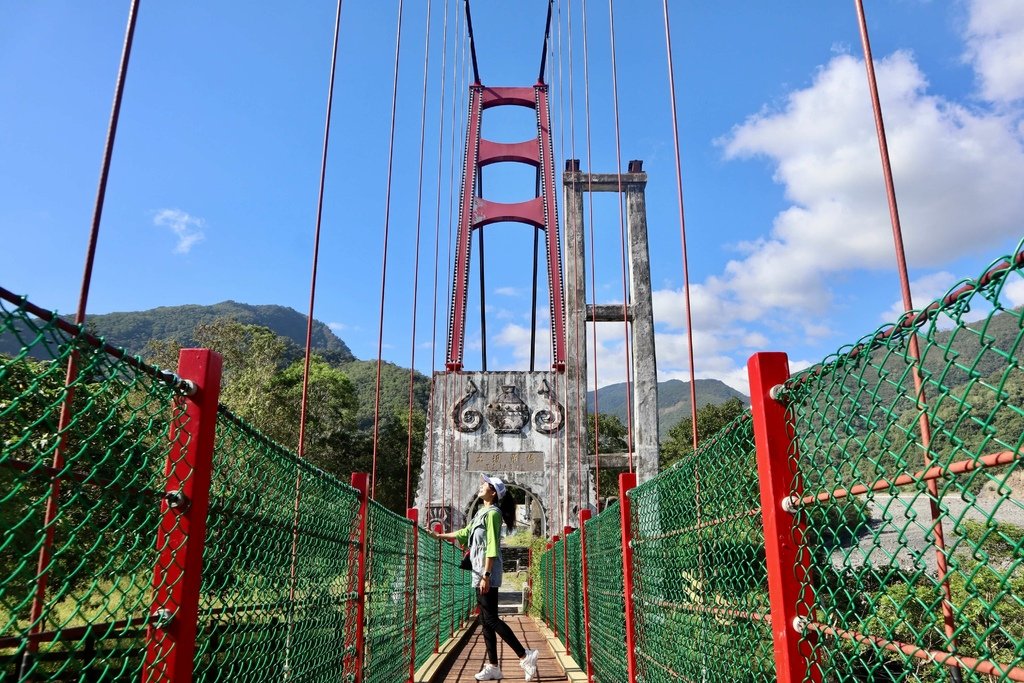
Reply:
x=901, y=529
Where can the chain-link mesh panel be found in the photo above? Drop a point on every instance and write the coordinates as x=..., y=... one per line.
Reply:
x=545, y=585
x=558, y=590
x=574, y=570
x=607, y=604
x=911, y=502
x=389, y=596
x=79, y=499
x=279, y=579
x=428, y=596
x=699, y=579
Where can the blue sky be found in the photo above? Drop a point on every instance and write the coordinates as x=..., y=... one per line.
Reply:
x=212, y=194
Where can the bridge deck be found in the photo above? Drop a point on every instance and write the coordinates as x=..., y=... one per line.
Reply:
x=471, y=659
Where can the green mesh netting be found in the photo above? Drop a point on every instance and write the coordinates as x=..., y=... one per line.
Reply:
x=876, y=557
x=558, y=591
x=604, y=587
x=428, y=596
x=699, y=578
x=577, y=636
x=273, y=600
x=389, y=597
x=103, y=474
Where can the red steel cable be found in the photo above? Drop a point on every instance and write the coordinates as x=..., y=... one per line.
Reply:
x=682, y=220
x=316, y=234
x=915, y=352
x=622, y=241
x=309, y=335
x=71, y=376
x=437, y=249
x=416, y=266
x=384, y=257
x=593, y=255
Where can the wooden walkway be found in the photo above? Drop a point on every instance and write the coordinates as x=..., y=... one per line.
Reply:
x=471, y=659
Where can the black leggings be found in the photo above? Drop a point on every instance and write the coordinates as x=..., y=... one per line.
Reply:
x=493, y=625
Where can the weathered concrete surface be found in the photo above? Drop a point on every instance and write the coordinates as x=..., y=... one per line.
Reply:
x=510, y=424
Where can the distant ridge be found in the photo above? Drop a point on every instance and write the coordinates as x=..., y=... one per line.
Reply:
x=673, y=400
x=133, y=330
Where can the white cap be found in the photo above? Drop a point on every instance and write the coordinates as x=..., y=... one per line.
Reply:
x=498, y=484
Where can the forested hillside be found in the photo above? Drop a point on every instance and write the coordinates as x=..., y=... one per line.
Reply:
x=673, y=400
x=134, y=330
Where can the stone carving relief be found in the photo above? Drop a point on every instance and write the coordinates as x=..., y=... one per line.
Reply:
x=509, y=414
x=549, y=421
x=470, y=420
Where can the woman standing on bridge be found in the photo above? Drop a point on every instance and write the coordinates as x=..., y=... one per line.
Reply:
x=483, y=536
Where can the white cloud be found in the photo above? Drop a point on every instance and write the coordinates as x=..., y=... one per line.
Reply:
x=338, y=327
x=923, y=291
x=995, y=48
x=1013, y=291
x=187, y=228
x=509, y=291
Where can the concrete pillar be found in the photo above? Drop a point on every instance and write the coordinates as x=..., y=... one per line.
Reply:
x=645, y=371
x=576, y=330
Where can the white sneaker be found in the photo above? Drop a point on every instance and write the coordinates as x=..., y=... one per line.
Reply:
x=489, y=673
x=529, y=665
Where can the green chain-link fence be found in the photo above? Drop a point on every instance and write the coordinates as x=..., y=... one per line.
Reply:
x=908, y=519
x=604, y=587
x=80, y=508
x=574, y=570
x=79, y=499
x=699, y=582
x=912, y=499
x=279, y=581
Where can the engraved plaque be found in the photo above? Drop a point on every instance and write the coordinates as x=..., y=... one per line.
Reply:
x=505, y=461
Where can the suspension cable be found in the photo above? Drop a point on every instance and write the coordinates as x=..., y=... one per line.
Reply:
x=437, y=249
x=622, y=241
x=416, y=267
x=593, y=254
x=316, y=234
x=384, y=262
x=924, y=424
x=71, y=374
x=472, y=44
x=682, y=221
x=544, y=48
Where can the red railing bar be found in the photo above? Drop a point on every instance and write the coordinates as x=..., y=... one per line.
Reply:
x=981, y=666
x=90, y=339
x=959, y=467
x=697, y=527
x=80, y=477
x=676, y=676
x=913, y=319
x=715, y=611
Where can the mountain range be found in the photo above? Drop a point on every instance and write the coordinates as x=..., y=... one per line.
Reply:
x=673, y=400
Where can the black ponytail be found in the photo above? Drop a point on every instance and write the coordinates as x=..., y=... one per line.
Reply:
x=507, y=505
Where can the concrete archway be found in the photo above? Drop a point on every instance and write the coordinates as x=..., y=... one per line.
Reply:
x=531, y=515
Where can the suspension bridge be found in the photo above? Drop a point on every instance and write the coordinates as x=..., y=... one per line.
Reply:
x=862, y=521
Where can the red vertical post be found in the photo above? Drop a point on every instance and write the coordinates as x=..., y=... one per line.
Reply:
x=565, y=582
x=773, y=438
x=414, y=516
x=529, y=577
x=361, y=482
x=584, y=518
x=627, y=481
x=177, y=577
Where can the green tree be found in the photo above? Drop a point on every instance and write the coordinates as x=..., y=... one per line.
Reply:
x=608, y=432
x=710, y=418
